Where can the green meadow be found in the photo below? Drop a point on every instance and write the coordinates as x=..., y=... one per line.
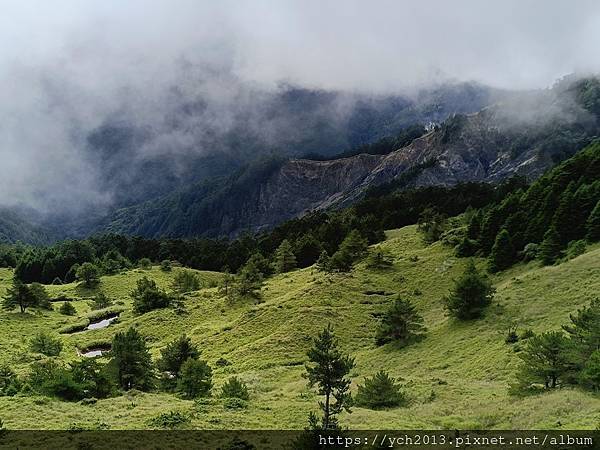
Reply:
x=457, y=377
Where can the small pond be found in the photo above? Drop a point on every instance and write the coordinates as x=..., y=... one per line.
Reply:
x=102, y=324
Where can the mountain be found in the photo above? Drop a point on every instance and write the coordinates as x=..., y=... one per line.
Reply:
x=20, y=225
x=524, y=134
x=194, y=136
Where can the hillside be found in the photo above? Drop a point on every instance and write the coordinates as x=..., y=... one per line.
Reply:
x=524, y=135
x=457, y=377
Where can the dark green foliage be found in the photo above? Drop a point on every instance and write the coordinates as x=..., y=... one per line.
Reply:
x=432, y=224
x=503, y=253
x=171, y=419
x=401, y=323
x=67, y=309
x=353, y=247
x=165, y=265
x=328, y=369
x=551, y=248
x=19, y=294
x=248, y=282
x=546, y=359
x=9, y=382
x=323, y=261
x=593, y=224
x=147, y=296
x=94, y=378
x=235, y=388
x=176, y=353
x=380, y=391
x=46, y=344
x=471, y=294
x=575, y=249
x=185, y=281
x=131, y=361
x=590, y=375
x=584, y=331
x=88, y=274
x=101, y=301
x=113, y=262
x=145, y=263
x=531, y=252
x=307, y=250
x=284, y=259
x=40, y=296
x=379, y=259
x=195, y=378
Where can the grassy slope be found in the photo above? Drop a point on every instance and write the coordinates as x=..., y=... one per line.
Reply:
x=457, y=377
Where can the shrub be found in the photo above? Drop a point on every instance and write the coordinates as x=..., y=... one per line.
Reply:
x=145, y=263
x=9, y=383
x=379, y=259
x=101, y=301
x=380, y=391
x=88, y=273
x=235, y=388
x=235, y=403
x=171, y=419
x=67, y=309
x=195, y=378
x=575, y=249
x=546, y=359
x=590, y=375
x=147, y=296
x=165, y=265
x=46, y=344
x=185, y=281
x=173, y=356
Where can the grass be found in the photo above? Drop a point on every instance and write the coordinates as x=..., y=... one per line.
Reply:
x=457, y=377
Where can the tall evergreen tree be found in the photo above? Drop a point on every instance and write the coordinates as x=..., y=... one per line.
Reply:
x=550, y=248
x=176, y=353
x=327, y=369
x=249, y=281
x=131, y=360
x=593, y=224
x=471, y=294
x=503, y=253
x=546, y=359
x=284, y=257
x=19, y=295
x=400, y=323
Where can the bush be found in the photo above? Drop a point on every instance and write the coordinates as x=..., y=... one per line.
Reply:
x=101, y=301
x=576, y=248
x=235, y=388
x=185, y=281
x=165, y=265
x=67, y=309
x=379, y=259
x=46, y=344
x=380, y=391
x=145, y=263
x=147, y=296
x=88, y=273
x=235, y=403
x=546, y=359
x=195, y=378
x=171, y=419
x=9, y=383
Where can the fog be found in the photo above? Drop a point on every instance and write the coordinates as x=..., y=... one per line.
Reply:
x=67, y=66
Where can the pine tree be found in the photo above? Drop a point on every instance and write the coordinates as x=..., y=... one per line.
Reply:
x=195, y=378
x=88, y=273
x=284, y=258
x=378, y=259
x=131, y=360
x=503, y=253
x=176, y=353
x=471, y=294
x=307, y=250
x=249, y=281
x=550, y=249
x=19, y=295
x=323, y=261
x=593, y=224
x=401, y=323
x=380, y=391
x=546, y=359
x=328, y=370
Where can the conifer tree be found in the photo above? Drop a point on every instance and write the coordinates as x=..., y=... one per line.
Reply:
x=328, y=369
x=323, y=261
x=249, y=281
x=284, y=257
x=503, y=253
x=550, y=248
x=471, y=294
x=19, y=295
x=131, y=360
x=593, y=224
x=546, y=359
x=401, y=323
x=380, y=391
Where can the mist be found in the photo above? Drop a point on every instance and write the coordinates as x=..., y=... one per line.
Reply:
x=70, y=67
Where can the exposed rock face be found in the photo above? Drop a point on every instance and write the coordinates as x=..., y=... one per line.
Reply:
x=525, y=136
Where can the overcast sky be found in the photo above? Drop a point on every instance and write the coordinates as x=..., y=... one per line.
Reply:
x=66, y=64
